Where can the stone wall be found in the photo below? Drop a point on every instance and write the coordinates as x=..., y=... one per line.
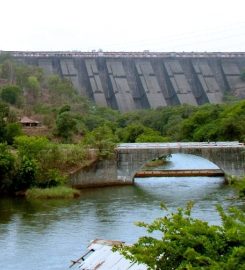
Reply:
x=101, y=173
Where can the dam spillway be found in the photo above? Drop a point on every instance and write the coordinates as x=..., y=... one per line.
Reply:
x=129, y=81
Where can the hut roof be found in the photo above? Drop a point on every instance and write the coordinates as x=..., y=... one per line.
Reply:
x=101, y=257
x=27, y=120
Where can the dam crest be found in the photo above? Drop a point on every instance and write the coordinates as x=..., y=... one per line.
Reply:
x=128, y=81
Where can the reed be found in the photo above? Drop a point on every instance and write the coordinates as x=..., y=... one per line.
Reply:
x=61, y=192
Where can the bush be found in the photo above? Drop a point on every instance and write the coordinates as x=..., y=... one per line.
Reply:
x=52, y=178
x=11, y=94
x=12, y=130
x=239, y=184
x=31, y=147
x=103, y=140
x=46, y=163
x=7, y=167
x=26, y=174
x=66, y=125
x=189, y=243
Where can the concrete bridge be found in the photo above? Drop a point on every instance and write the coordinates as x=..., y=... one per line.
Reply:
x=130, y=157
x=127, y=81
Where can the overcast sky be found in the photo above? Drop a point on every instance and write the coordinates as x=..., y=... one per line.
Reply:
x=128, y=25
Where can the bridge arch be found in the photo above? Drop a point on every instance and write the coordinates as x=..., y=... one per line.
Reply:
x=180, y=162
x=228, y=156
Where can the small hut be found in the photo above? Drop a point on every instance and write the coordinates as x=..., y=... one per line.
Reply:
x=28, y=122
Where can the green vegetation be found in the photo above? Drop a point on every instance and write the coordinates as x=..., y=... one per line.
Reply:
x=239, y=184
x=6, y=167
x=52, y=170
x=162, y=160
x=103, y=140
x=61, y=192
x=72, y=126
x=11, y=94
x=188, y=243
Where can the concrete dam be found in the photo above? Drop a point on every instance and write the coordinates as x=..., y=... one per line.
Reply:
x=130, y=81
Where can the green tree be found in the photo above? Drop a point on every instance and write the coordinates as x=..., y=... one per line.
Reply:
x=7, y=166
x=32, y=147
x=26, y=176
x=65, y=108
x=232, y=122
x=101, y=139
x=188, y=243
x=33, y=87
x=131, y=132
x=12, y=130
x=28, y=76
x=11, y=94
x=151, y=137
x=8, y=70
x=66, y=125
x=4, y=113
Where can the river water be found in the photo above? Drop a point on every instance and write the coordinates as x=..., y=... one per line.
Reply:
x=45, y=235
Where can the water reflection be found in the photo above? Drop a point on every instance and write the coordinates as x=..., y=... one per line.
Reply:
x=47, y=234
x=187, y=161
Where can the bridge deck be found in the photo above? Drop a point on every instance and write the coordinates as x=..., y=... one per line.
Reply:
x=179, y=173
x=177, y=145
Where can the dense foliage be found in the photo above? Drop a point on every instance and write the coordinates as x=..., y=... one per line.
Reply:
x=188, y=243
x=7, y=163
x=45, y=172
x=238, y=183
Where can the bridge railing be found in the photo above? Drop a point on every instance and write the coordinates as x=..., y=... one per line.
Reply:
x=180, y=145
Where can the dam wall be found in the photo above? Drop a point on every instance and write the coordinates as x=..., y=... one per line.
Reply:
x=129, y=81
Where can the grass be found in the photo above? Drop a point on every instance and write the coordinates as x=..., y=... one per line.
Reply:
x=155, y=163
x=60, y=192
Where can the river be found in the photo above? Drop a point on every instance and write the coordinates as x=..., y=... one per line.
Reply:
x=45, y=235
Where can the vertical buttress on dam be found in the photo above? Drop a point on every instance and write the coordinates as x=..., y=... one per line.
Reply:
x=130, y=81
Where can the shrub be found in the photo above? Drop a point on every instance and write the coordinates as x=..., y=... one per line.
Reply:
x=66, y=125
x=103, y=140
x=26, y=174
x=31, y=147
x=238, y=183
x=52, y=178
x=189, y=243
x=11, y=94
x=7, y=167
x=12, y=130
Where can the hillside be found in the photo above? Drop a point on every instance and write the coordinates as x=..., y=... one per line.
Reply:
x=63, y=127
